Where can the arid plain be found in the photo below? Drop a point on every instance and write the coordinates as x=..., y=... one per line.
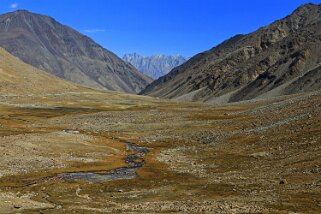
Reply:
x=244, y=158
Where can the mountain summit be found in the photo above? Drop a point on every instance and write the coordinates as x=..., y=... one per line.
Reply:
x=154, y=66
x=58, y=49
x=282, y=58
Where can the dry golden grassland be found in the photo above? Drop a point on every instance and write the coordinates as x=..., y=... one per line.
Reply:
x=255, y=157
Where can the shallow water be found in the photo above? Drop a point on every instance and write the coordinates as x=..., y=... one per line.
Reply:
x=128, y=172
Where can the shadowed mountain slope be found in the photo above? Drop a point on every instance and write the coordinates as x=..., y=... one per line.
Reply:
x=57, y=49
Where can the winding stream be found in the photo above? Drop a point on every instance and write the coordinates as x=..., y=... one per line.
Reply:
x=134, y=162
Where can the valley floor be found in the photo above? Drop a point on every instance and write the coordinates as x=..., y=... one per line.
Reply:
x=251, y=157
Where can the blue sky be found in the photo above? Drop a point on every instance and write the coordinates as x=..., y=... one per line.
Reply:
x=184, y=27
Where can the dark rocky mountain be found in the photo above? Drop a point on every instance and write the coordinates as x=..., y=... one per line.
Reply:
x=57, y=49
x=282, y=58
x=154, y=66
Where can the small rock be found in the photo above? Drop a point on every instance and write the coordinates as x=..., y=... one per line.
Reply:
x=260, y=154
x=69, y=131
x=58, y=207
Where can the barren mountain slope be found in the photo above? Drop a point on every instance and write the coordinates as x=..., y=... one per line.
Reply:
x=18, y=78
x=48, y=45
x=248, y=66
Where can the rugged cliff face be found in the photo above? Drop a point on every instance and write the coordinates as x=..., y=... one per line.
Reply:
x=154, y=66
x=57, y=49
x=282, y=58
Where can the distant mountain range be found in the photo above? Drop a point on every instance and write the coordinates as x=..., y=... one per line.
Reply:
x=46, y=44
x=280, y=59
x=154, y=66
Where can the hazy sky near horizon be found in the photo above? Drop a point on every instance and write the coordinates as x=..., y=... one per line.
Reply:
x=148, y=27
